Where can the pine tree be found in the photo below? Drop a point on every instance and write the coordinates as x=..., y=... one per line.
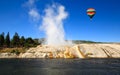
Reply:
x=2, y=39
x=22, y=41
x=7, y=40
x=16, y=40
x=29, y=40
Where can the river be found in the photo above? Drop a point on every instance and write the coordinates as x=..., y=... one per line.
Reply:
x=59, y=66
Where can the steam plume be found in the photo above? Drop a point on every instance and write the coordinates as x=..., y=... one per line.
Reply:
x=52, y=24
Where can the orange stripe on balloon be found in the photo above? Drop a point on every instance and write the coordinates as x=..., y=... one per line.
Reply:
x=91, y=12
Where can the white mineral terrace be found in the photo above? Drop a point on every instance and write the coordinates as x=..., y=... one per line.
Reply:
x=76, y=51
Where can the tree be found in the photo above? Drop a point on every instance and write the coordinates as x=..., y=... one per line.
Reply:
x=22, y=41
x=7, y=40
x=2, y=39
x=16, y=40
x=36, y=41
x=29, y=40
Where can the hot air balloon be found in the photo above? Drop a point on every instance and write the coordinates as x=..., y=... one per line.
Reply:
x=91, y=12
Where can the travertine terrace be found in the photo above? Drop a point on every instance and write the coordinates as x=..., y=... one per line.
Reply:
x=76, y=51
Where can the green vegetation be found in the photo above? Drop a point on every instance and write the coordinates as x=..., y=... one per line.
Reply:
x=16, y=51
x=7, y=40
x=89, y=42
x=2, y=39
x=82, y=41
x=16, y=44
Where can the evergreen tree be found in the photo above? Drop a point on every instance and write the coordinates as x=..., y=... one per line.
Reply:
x=37, y=42
x=7, y=40
x=22, y=41
x=2, y=39
x=29, y=40
x=16, y=40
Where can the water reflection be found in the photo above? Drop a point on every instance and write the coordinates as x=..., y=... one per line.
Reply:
x=59, y=66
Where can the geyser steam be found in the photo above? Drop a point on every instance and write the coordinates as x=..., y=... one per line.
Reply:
x=52, y=24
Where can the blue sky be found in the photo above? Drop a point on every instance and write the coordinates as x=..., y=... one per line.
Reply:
x=104, y=27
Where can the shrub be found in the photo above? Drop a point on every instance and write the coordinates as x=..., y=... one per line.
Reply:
x=15, y=51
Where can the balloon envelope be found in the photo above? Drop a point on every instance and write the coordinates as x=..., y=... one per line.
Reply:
x=91, y=12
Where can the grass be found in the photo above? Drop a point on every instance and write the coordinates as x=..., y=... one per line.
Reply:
x=9, y=50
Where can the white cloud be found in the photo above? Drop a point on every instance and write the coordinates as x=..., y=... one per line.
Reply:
x=34, y=15
x=31, y=2
x=32, y=10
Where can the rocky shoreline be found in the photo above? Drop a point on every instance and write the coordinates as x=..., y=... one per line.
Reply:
x=75, y=51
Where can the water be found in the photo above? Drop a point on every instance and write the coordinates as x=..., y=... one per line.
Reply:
x=59, y=66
